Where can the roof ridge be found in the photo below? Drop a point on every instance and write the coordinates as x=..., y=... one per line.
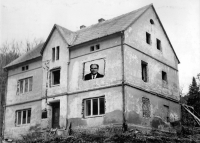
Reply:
x=109, y=20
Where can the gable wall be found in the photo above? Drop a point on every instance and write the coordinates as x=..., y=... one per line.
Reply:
x=135, y=36
x=54, y=41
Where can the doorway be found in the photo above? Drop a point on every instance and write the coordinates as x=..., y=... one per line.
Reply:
x=55, y=114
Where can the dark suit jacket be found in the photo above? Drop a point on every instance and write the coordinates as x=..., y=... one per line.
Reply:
x=89, y=76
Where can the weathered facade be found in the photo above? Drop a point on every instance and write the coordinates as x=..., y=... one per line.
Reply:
x=138, y=85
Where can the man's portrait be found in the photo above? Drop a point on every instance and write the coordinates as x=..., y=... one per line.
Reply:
x=94, y=69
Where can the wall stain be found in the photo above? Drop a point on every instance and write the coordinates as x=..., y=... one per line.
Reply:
x=133, y=117
x=113, y=117
x=77, y=122
x=158, y=123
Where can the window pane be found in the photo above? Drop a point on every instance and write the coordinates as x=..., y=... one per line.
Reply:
x=19, y=118
x=21, y=86
x=102, y=105
x=30, y=83
x=26, y=85
x=57, y=54
x=53, y=54
x=88, y=107
x=29, y=116
x=95, y=106
x=24, y=117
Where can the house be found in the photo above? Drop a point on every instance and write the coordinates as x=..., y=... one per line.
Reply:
x=137, y=82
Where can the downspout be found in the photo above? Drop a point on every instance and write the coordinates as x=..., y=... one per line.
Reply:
x=123, y=88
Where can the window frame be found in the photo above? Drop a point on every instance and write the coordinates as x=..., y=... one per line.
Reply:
x=148, y=38
x=158, y=44
x=146, y=73
x=146, y=100
x=91, y=107
x=29, y=88
x=21, y=118
x=52, y=76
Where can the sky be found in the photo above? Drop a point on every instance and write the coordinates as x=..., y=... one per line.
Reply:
x=22, y=20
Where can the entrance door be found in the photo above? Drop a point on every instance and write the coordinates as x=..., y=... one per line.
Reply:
x=55, y=114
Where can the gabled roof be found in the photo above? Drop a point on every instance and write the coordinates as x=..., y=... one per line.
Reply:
x=32, y=54
x=99, y=30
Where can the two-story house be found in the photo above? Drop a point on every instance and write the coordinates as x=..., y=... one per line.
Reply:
x=122, y=70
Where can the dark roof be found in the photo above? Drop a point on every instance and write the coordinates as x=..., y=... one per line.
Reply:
x=99, y=30
x=32, y=54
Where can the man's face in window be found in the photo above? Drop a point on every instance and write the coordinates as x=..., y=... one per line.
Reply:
x=94, y=69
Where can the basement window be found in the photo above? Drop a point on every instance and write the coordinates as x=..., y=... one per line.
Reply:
x=25, y=68
x=55, y=76
x=94, y=106
x=25, y=85
x=146, y=107
x=23, y=116
x=158, y=44
x=148, y=38
x=144, y=71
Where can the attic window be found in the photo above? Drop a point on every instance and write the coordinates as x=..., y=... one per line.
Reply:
x=25, y=68
x=148, y=38
x=158, y=44
x=94, y=48
x=151, y=21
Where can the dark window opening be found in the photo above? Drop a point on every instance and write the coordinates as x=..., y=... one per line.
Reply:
x=23, y=68
x=148, y=38
x=44, y=114
x=53, y=54
x=151, y=21
x=97, y=47
x=56, y=77
x=146, y=107
x=92, y=48
x=144, y=71
x=26, y=67
x=158, y=44
x=57, y=53
x=164, y=76
x=94, y=107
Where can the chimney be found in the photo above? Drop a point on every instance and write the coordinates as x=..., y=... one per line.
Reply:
x=101, y=20
x=82, y=26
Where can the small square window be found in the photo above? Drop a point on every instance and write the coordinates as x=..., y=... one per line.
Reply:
x=148, y=38
x=55, y=77
x=158, y=44
x=94, y=106
x=144, y=71
x=92, y=48
x=97, y=47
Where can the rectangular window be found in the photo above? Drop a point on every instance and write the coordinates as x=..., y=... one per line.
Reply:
x=97, y=47
x=166, y=113
x=55, y=76
x=25, y=85
x=92, y=48
x=53, y=54
x=148, y=38
x=144, y=71
x=158, y=44
x=23, y=116
x=94, y=106
x=146, y=107
x=57, y=52
x=164, y=76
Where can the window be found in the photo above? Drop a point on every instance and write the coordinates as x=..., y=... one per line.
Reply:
x=148, y=38
x=158, y=44
x=164, y=76
x=55, y=53
x=146, y=107
x=23, y=116
x=151, y=21
x=144, y=71
x=25, y=68
x=44, y=113
x=96, y=47
x=166, y=113
x=55, y=76
x=25, y=85
x=94, y=106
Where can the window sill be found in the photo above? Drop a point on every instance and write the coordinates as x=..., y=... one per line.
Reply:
x=55, y=85
x=22, y=125
x=25, y=93
x=94, y=116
